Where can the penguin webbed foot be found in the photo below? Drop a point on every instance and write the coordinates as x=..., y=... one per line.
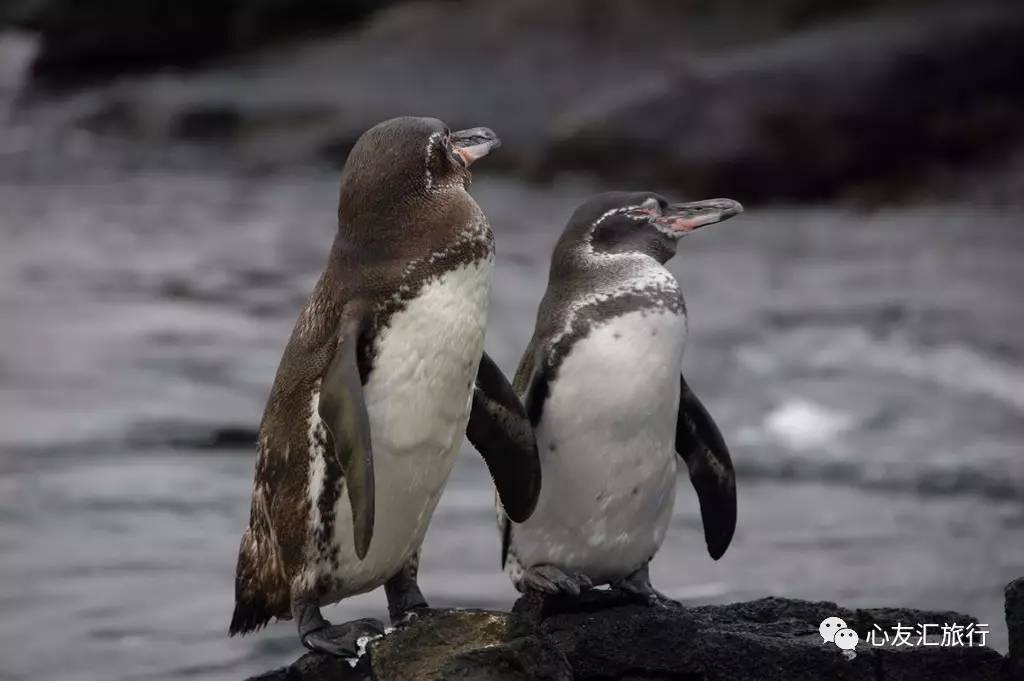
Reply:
x=406, y=603
x=638, y=586
x=656, y=599
x=550, y=580
x=342, y=640
x=320, y=636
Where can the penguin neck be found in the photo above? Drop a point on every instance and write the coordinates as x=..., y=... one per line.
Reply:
x=608, y=275
x=408, y=249
x=422, y=222
x=585, y=261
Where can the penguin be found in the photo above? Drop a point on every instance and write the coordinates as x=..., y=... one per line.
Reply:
x=384, y=372
x=602, y=387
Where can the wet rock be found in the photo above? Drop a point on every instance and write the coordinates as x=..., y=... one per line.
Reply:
x=467, y=644
x=922, y=664
x=604, y=635
x=443, y=645
x=316, y=667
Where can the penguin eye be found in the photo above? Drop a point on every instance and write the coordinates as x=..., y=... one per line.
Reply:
x=644, y=212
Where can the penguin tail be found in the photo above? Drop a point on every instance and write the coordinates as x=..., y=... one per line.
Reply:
x=257, y=601
x=249, y=615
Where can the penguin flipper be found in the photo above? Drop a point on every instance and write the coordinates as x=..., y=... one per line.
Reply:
x=700, y=444
x=500, y=430
x=343, y=412
x=505, y=529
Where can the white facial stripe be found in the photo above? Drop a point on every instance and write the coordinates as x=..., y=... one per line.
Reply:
x=431, y=143
x=608, y=213
x=642, y=271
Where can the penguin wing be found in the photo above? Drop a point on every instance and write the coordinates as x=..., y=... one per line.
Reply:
x=700, y=444
x=343, y=412
x=532, y=384
x=499, y=429
x=505, y=530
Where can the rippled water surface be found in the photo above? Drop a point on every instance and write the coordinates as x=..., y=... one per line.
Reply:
x=866, y=368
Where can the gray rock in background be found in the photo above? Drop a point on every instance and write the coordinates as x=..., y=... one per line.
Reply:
x=878, y=102
x=92, y=40
x=719, y=99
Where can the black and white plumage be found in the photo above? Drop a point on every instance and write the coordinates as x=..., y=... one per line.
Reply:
x=601, y=383
x=380, y=379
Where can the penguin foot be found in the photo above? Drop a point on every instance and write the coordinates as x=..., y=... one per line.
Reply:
x=656, y=599
x=548, y=579
x=413, y=615
x=405, y=600
x=342, y=640
x=638, y=585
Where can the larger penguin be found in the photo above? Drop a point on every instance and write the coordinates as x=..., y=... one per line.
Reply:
x=601, y=384
x=383, y=373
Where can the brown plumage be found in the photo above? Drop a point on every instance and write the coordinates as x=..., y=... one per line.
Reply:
x=403, y=219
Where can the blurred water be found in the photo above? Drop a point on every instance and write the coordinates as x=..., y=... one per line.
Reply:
x=866, y=368
x=863, y=367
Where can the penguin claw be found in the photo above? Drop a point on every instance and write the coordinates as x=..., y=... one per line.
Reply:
x=550, y=580
x=412, y=615
x=660, y=600
x=652, y=597
x=638, y=586
x=342, y=640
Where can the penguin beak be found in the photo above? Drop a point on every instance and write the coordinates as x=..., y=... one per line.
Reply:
x=686, y=217
x=473, y=144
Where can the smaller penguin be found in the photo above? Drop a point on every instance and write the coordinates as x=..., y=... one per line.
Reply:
x=601, y=385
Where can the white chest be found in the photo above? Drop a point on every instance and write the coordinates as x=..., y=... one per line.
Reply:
x=426, y=362
x=606, y=441
x=417, y=399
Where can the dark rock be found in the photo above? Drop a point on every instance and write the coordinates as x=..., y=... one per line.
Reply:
x=778, y=639
x=1015, y=625
x=604, y=635
x=317, y=667
x=83, y=40
x=922, y=663
x=886, y=618
x=876, y=107
x=872, y=105
x=771, y=638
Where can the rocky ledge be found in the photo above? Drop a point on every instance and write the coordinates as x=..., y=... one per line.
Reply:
x=604, y=636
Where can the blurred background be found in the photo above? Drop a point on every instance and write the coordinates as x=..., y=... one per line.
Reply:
x=168, y=185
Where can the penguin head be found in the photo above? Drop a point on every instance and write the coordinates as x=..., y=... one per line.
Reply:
x=405, y=159
x=643, y=222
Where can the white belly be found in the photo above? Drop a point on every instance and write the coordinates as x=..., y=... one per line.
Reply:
x=418, y=398
x=606, y=442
